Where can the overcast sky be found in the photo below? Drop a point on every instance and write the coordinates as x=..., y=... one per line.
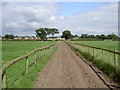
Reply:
x=22, y=18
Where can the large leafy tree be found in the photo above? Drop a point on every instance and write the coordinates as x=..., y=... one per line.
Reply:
x=9, y=36
x=41, y=33
x=53, y=31
x=67, y=34
x=47, y=30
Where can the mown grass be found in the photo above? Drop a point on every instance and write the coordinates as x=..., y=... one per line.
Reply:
x=16, y=73
x=28, y=80
x=105, y=44
x=108, y=69
x=14, y=49
x=108, y=57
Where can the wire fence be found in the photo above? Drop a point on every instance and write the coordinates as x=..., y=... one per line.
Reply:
x=13, y=71
x=105, y=55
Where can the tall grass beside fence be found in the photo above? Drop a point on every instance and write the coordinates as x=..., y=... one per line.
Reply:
x=101, y=59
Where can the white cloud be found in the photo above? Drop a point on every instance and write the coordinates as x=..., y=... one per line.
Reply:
x=24, y=18
x=60, y=1
x=103, y=20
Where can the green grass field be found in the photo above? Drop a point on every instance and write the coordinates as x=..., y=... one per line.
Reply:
x=15, y=74
x=28, y=80
x=107, y=56
x=14, y=49
x=111, y=45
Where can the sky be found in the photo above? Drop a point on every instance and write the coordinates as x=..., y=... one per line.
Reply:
x=72, y=8
x=23, y=18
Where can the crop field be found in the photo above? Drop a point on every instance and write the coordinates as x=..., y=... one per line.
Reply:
x=107, y=57
x=16, y=72
x=14, y=49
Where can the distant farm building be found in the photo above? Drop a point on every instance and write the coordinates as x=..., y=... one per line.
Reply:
x=54, y=38
x=26, y=38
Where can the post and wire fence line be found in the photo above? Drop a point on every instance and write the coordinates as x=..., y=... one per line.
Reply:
x=108, y=56
x=13, y=71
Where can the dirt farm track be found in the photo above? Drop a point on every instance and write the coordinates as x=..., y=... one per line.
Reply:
x=67, y=70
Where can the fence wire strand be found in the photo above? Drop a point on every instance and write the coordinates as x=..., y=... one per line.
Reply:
x=104, y=56
x=16, y=71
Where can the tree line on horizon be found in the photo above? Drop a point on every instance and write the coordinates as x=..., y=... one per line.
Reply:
x=44, y=32
x=102, y=36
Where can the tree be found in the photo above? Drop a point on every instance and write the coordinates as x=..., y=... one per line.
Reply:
x=15, y=36
x=53, y=31
x=9, y=36
x=111, y=36
x=76, y=36
x=91, y=36
x=41, y=32
x=67, y=34
x=102, y=36
x=47, y=30
x=98, y=36
x=84, y=36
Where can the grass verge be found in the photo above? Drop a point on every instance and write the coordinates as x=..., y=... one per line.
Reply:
x=108, y=69
x=28, y=80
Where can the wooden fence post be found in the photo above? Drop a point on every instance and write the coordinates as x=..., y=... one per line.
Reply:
x=115, y=59
x=48, y=48
x=45, y=50
x=102, y=52
x=93, y=52
x=83, y=49
x=4, y=80
x=80, y=47
x=88, y=49
x=35, y=57
x=40, y=53
x=26, y=65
